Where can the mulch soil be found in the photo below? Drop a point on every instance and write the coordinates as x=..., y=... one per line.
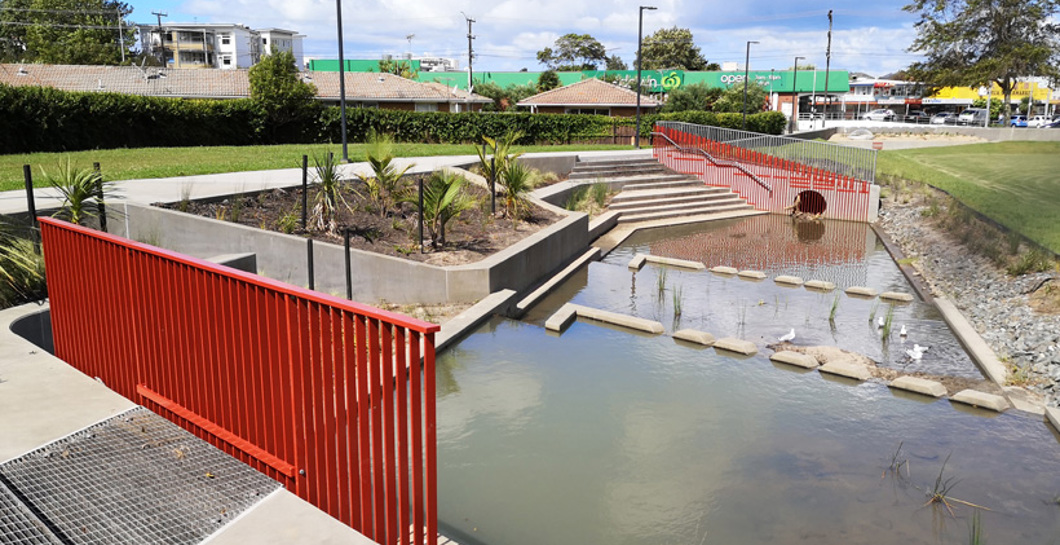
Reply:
x=472, y=236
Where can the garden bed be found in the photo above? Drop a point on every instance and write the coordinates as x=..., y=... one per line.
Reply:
x=474, y=235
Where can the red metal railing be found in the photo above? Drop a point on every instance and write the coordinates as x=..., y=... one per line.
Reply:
x=846, y=196
x=334, y=399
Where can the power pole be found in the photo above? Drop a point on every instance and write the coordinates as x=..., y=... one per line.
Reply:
x=121, y=37
x=161, y=36
x=827, y=66
x=470, y=56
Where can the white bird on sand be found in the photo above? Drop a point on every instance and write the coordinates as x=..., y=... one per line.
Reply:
x=788, y=337
x=903, y=331
x=879, y=321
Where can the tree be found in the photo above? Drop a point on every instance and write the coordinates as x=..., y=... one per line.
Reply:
x=504, y=98
x=807, y=66
x=398, y=68
x=573, y=52
x=66, y=31
x=975, y=42
x=547, y=81
x=288, y=102
x=731, y=100
x=672, y=48
x=614, y=62
x=697, y=96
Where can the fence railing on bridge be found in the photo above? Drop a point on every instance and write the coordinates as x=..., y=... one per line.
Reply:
x=832, y=180
x=334, y=399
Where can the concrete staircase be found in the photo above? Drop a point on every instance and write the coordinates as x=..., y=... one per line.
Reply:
x=650, y=191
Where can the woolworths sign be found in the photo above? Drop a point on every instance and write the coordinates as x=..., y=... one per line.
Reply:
x=654, y=81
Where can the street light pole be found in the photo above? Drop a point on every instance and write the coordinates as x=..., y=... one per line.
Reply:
x=640, y=60
x=342, y=83
x=794, y=96
x=746, y=73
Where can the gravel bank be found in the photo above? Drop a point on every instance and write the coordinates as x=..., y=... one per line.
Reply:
x=997, y=304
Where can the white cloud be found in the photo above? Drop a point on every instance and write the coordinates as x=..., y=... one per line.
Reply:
x=510, y=33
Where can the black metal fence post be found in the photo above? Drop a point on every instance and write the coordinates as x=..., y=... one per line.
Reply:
x=493, y=184
x=305, y=190
x=31, y=206
x=309, y=261
x=421, y=215
x=100, y=202
x=349, y=272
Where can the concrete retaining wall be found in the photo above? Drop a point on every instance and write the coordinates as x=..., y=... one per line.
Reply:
x=375, y=277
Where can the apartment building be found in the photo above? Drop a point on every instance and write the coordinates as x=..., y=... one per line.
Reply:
x=224, y=46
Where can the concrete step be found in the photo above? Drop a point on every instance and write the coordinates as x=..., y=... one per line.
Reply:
x=617, y=172
x=642, y=178
x=653, y=194
x=617, y=162
x=698, y=211
x=663, y=184
x=666, y=201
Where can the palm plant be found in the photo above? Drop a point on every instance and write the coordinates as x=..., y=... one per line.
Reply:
x=517, y=181
x=82, y=190
x=444, y=199
x=328, y=193
x=384, y=186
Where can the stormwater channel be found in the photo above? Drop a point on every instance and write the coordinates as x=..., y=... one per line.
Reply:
x=602, y=435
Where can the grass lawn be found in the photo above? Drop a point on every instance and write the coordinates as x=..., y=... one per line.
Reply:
x=129, y=164
x=1016, y=184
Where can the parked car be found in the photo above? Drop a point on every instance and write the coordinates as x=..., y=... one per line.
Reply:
x=1054, y=124
x=1039, y=121
x=973, y=116
x=944, y=118
x=1018, y=121
x=918, y=116
x=880, y=115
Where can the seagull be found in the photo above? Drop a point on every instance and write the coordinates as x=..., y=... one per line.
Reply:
x=786, y=338
x=879, y=321
x=914, y=354
x=919, y=348
x=903, y=331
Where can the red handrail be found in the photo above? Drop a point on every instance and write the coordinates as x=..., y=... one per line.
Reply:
x=327, y=396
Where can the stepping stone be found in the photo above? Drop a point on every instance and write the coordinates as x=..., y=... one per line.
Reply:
x=613, y=318
x=788, y=280
x=752, y=275
x=797, y=359
x=860, y=291
x=855, y=371
x=897, y=296
x=721, y=269
x=637, y=262
x=694, y=336
x=819, y=285
x=679, y=263
x=981, y=400
x=919, y=386
x=561, y=318
x=738, y=346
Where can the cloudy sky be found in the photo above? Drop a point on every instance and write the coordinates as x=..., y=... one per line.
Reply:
x=868, y=36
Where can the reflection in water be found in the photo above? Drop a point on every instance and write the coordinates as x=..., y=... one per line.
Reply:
x=808, y=231
x=599, y=437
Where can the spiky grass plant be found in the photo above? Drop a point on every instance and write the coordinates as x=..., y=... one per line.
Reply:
x=897, y=463
x=887, y=321
x=939, y=495
x=21, y=271
x=444, y=199
x=660, y=280
x=678, y=296
x=834, y=309
x=517, y=181
x=328, y=193
x=872, y=312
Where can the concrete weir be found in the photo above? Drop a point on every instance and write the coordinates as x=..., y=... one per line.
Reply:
x=694, y=336
x=819, y=285
x=980, y=400
x=568, y=312
x=845, y=369
x=797, y=359
x=919, y=386
x=738, y=346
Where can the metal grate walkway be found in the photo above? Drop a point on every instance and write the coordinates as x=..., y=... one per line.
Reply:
x=134, y=478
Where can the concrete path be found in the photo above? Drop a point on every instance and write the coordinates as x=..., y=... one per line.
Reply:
x=148, y=191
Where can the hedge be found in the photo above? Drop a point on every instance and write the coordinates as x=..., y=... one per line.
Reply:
x=46, y=119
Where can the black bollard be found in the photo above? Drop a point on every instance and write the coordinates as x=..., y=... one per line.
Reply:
x=99, y=198
x=309, y=261
x=421, y=215
x=305, y=190
x=349, y=273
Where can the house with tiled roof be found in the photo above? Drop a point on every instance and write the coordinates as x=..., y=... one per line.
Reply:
x=363, y=89
x=590, y=96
